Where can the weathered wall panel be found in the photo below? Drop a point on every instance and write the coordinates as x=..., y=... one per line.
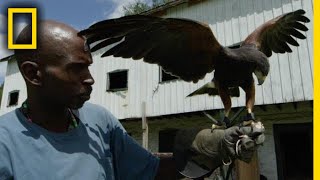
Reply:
x=13, y=81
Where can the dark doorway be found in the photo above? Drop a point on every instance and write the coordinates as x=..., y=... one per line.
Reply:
x=294, y=151
x=166, y=139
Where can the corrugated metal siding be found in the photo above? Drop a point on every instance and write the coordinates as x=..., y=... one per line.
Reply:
x=231, y=21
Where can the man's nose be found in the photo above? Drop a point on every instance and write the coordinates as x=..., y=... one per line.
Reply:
x=89, y=80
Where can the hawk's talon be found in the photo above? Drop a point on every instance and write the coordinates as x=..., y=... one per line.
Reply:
x=224, y=124
x=250, y=116
x=226, y=121
x=218, y=126
x=248, y=119
x=247, y=123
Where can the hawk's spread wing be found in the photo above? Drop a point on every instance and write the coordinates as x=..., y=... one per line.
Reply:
x=276, y=33
x=182, y=47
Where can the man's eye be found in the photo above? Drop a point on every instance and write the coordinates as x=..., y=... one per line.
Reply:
x=77, y=68
x=82, y=66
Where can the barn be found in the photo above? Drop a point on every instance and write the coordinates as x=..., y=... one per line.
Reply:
x=152, y=104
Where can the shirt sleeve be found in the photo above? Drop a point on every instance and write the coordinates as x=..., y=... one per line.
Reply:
x=131, y=161
x=5, y=163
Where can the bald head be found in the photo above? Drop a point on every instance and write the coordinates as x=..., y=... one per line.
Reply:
x=52, y=41
x=57, y=72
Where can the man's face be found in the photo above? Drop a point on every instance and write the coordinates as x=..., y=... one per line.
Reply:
x=67, y=80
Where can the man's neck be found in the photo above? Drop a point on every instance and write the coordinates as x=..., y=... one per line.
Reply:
x=55, y=118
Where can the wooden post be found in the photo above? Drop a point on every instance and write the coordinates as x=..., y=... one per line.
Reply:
x=245, y=171
x=145, y=129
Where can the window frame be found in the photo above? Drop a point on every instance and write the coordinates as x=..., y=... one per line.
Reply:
x=9, y=98
x=109, y=83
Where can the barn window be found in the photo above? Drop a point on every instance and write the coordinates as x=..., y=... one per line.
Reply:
x=166, y=76
x=117, y=80
x=13, y=98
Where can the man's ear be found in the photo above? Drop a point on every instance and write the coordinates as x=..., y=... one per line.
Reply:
x=31, y=72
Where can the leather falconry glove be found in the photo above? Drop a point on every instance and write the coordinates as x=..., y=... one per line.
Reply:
x=198, y=152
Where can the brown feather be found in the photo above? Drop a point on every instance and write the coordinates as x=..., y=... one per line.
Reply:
x=299, y=26
x=297, y=34
x=288, y=39
x=276, y=33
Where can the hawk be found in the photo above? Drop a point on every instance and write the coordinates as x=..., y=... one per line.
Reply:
x=188, y=49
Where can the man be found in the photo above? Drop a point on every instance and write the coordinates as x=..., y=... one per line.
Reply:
x=55, y=134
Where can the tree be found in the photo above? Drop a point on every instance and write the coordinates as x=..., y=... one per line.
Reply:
x=135, y=8
x=156, y=3
x=139, y=6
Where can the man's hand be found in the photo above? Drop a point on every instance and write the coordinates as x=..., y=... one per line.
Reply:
x=198, y=152
x=242, y=141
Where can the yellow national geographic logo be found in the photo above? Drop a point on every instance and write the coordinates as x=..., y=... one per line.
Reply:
x=33, y=12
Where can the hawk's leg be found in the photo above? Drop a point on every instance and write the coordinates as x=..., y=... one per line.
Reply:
x=226, y=100
x=249, y=89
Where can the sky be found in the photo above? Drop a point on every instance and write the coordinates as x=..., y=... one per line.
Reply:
x=77, y=13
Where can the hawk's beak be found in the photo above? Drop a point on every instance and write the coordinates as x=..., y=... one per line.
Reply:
x=261, y=80
x=260, y=77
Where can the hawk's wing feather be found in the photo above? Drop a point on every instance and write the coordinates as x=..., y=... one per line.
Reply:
x=182, y=47
x=276, y=33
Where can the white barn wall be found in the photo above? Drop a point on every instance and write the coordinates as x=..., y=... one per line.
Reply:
x=290, y=78
x=13, y=81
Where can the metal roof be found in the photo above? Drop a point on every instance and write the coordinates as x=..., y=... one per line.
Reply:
x=11, y=57
x=160, y=10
